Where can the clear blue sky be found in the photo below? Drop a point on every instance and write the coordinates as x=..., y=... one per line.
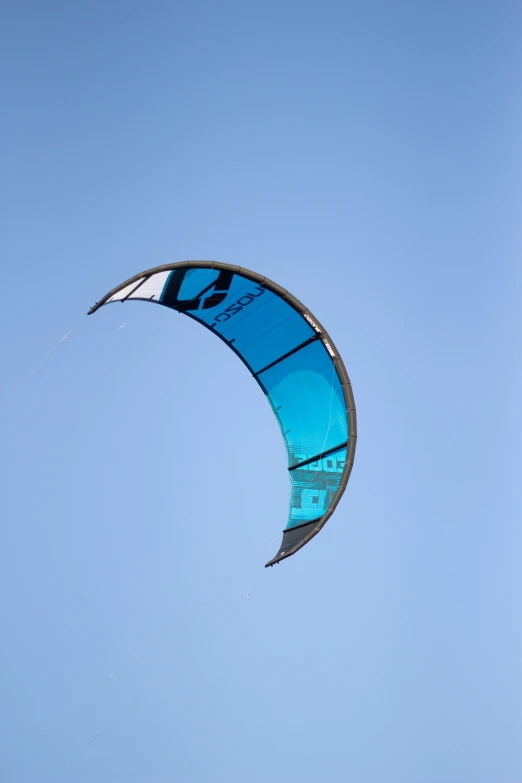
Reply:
x=367, y=157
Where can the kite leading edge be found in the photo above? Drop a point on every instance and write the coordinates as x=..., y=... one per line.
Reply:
x=294, y=361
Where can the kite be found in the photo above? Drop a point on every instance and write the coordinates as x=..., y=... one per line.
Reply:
x=294, y=361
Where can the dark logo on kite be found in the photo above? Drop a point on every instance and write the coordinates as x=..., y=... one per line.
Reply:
x=216, y=292
x=211, y=296
x=243, y=301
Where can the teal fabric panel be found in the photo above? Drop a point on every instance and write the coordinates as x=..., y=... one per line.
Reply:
x=306, y=396
x=313, y=486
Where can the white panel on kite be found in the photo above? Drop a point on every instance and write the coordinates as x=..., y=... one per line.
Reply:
x=151, y=288
x=124, y=292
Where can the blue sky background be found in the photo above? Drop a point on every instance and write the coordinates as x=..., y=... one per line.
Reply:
x=367, y=157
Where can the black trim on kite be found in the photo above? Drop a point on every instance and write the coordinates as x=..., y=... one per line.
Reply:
x=303, y=524
x=318, y=456
x=296, y=537
x=289, y=353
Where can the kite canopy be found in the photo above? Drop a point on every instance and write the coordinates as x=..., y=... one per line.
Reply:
x=293, y=360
